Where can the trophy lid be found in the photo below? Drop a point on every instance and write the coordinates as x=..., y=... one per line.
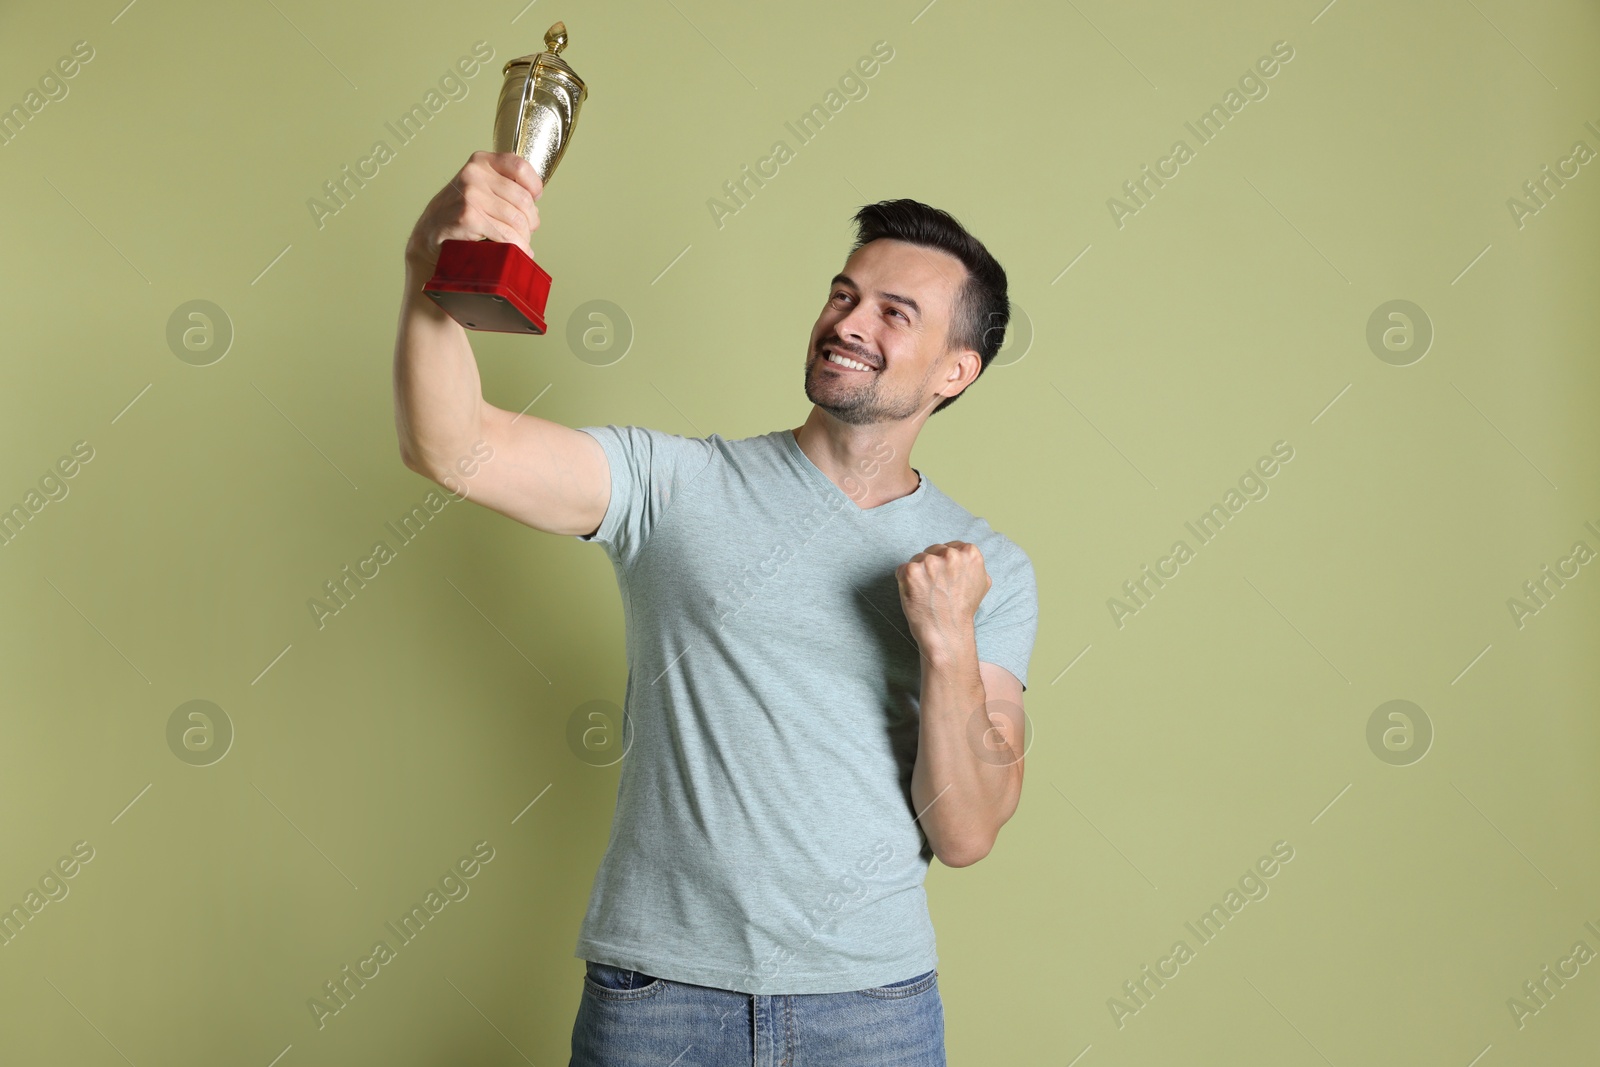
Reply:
x=555, y=39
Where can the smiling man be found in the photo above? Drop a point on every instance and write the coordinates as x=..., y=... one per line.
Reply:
x=826, y=654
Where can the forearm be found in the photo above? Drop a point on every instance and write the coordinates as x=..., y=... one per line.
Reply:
x=963, y=799
x=438, y=395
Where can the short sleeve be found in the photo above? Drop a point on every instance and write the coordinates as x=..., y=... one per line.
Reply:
x=647, y=468
x=1008, y=618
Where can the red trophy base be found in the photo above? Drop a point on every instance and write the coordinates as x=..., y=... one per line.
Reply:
x=490, y=285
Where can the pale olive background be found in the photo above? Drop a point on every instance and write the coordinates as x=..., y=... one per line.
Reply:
x=1169, y=754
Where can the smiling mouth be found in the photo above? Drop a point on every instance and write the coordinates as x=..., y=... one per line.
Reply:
x=844, y=362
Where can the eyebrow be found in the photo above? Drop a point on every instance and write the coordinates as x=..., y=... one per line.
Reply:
x=893, y=297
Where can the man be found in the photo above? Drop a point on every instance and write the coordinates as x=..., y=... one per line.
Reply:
x=826, y=654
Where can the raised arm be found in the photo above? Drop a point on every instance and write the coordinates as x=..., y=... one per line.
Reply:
x=549, y=476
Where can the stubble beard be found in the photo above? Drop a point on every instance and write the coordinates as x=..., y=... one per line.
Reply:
x=857, y=405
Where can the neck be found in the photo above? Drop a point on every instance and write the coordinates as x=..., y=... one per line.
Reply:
x=871, y=464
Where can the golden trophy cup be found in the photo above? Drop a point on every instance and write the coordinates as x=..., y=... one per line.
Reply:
x=486, y=284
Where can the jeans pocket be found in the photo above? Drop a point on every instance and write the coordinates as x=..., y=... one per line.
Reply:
x=619, y=983
x=908, y=987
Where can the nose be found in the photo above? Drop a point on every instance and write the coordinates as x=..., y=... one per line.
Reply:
x=853, y=326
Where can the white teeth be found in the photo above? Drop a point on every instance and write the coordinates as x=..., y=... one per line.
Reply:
x=834, y=357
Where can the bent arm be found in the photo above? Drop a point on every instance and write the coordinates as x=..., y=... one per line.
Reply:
x=545, y=475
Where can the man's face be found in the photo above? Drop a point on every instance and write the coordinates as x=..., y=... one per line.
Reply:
x=890, y=309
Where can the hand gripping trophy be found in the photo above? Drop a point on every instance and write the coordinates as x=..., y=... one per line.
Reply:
x=491, y=285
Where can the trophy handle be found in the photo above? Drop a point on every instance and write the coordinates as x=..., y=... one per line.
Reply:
x=521, y=144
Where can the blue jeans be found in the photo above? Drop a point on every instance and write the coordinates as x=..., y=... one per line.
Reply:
x=630, y=1019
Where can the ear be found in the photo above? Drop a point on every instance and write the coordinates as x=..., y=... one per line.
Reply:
x=963, y=368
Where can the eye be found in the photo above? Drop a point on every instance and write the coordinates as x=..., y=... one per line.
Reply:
x=897, y=311
x=837, y=293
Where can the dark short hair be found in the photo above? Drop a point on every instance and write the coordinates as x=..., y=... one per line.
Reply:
x=982, y=309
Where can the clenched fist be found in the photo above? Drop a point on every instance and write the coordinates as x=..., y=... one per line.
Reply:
x=492, y=196
x=940, y=590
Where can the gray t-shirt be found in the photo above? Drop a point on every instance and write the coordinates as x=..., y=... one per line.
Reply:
x=764, y=838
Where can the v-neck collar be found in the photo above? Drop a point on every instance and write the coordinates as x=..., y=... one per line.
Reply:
x=803, y=461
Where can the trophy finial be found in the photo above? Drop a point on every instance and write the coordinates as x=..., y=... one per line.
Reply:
x=555, y=38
